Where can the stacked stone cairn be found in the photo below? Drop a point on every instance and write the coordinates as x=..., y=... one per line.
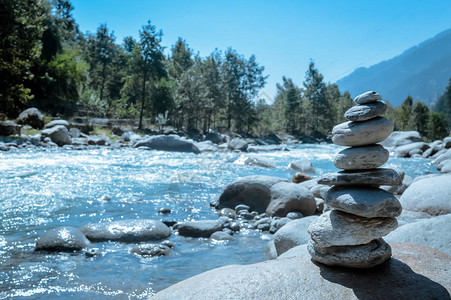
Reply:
x=350, y=234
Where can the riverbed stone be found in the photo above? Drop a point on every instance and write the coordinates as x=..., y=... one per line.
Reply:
x=399, y=138
x=361, y=158
x=445, y=166
x=359, y=256
x=8, y=128
x=151, y=250
x=405, y=150
x=31, y=116
x=294, y=233
x=337, y=228
x=253, y=160
x=362, y=133
x=221, y=236
x=367, y=97
x=364, y=201
x=56, y=123
x=381, y=176
x=237, y=144
x=170, y=142
x=302, y=165
x=253, y=191
x=199, y=229
x=127, y=231
x=365, y=112
x=429, y=194
x=62, y=239
x=290, y=197
x=414, y=272
x=58, y=134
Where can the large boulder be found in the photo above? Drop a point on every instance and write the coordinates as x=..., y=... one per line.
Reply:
x=400, y=138
x=414, y=272
x=56, y=123
x=289, y=197
x=31, y=116
x=214, y=137
x=127, y=231
x=8, y=128
x=253, y=191
x=433, y=232
x=170, y=142
x=62, y=239
x=429, y=194
x=292, y=234
x=404, y=150
x=203, y=228
x=444, y=156
x=237, y=144
x=58, y=134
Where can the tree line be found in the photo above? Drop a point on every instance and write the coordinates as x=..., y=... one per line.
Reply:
x=46, y=61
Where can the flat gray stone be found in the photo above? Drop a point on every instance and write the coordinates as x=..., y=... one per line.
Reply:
x=302, y=165
x=290, y=197
x=365, y=112
x=364, y=201
x=362, y=133
x=360, y=256
x=170, y=142
x=414, y=272
x=361, y=158
x=399, y=138
x=367, y=97
x=203, y=228
x=62, y=239
x=151, y=250
x=57, y=134
x=292, y=234
x=337, y=228
x=127, y=231
x=380, y=176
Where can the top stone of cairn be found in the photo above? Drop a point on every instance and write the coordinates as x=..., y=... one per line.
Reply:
x=367, y=97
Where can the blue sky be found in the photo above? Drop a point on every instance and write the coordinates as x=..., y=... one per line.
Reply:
x=284, y=35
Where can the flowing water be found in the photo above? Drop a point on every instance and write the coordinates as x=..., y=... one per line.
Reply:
x=42, y=189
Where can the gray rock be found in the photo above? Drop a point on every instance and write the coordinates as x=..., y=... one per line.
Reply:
x=295, y=215
x=287, y=197
x=74, y=132
x=399, y=138
x=237, y=144
x=446, y=167
x=362, y=133
x=337, y=228
x=430, y=195
x=365, y=112
x=302, y=165
x=319, y=190
x=130, y=136
x=151, y=250
x=242, y=207
x=361, y=158
x=252, y=160
x=214, y=137
x=62, y=239
x=364, y=201
x=98, y=140
x=434, y=148
x=227, y=212
x=198, y=229
x=170, y=142
x=403, y=151
x=56, y=123
x=206, y=146
x=360, y=256
x=58, y=134
x=264, y=227
x=292, y=234
x=443, y=156
x=433, y=232
x=127, y=231
x=367, y=97
x=164, y=210
x=447, y=142
x=442, y=164
x=270, y=250
x=8, y=128
x=253, y=191
x=221, y=236
x=366, y=177
x=414, y=272
x=31, y=116
x=279, y=223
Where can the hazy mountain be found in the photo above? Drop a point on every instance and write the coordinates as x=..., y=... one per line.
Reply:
x=422, y=71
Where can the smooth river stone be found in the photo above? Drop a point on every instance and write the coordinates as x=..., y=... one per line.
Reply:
x=367, y=97
x=361, y=158
x=337, y=228
x=379, y=176
x=365, y=112
x=361, y=256
x=362, y=133
x=364, y=201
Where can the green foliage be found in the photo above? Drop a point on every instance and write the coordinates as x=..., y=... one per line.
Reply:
x=419, y=118
x=436, y=127
x=404, y=113
x=443, y=104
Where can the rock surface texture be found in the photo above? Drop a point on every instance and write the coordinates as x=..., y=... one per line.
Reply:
x=350, y=235
x=415, y=272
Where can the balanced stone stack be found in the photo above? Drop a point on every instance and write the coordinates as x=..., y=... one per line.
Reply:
x=350, y=234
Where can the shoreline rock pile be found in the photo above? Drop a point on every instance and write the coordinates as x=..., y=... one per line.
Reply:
x=350, y=234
